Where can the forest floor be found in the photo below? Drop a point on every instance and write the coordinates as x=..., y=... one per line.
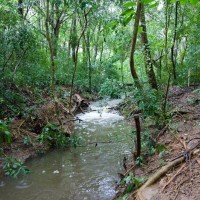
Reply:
x=179, y=136
x=26, y=130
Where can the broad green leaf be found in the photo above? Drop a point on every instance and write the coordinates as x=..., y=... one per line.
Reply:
x=137, y=181
x=130, y=188
x=129, y=4
x=154, y=5
x=112, y=24
x=193, y=2
x=147, y=1
x=183, y=1
x=127, y=12
x=140, y=29
x=127, y=20
x=127, y=179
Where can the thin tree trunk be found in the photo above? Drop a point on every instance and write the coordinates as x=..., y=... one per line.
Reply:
x=173, y=53
x=49, y=39
x=184, y=52
x=97, y=43
x=101, y=52
x=20, y=8
x=87, y=43
x=133, y=44
x=89, y=64
x=138, y=136
x=167, y=20
x=147, y=52
x=76, y=53
x=160, y=65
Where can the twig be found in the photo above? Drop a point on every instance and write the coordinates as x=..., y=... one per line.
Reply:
x=131, y=168
x=173, y=177
x=198, y=161
x=183, y=154
x=18, y=129
x=161, y=132
x=162, y=171
x=179, y=188
x=197, y=138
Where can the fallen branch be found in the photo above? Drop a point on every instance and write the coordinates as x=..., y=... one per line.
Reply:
x=161, y=132
x=179, y=188
x=129, y=170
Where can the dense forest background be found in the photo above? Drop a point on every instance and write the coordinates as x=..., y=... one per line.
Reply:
x=95, y=47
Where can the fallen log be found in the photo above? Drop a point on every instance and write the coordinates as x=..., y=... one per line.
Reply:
x=79, y=103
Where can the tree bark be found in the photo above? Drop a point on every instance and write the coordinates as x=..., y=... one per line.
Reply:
x=76, y=52
x=138, y=136
x=167, y=20
x=147, y=52
x=173, y=51
x=133, y=44
x=20, y=8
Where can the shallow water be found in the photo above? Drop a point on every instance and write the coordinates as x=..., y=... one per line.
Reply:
x=86, y=172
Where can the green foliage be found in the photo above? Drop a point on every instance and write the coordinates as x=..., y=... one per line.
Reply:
x=27, y=140
x=13, y=167
x=150, y=102
x=193, y=2
x=132, y=182
x=111, y=88
x=196, y=90
x=11, y=101
x=139, y=161
x=53, y=136
x=5, y=135
x=160, y=148
x=75, y=140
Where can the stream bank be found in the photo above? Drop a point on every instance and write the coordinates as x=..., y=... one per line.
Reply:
x=89, y=171
x=180, y=139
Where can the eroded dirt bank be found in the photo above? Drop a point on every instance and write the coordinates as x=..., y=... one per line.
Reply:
x=181, y=137
x=25, y=131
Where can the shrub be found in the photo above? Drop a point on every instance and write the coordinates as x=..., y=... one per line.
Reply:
x=53, y=136
x=14, y=167
x=5, y=135
x=111, y=88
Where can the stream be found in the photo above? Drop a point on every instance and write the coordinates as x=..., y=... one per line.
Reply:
x=85, y=172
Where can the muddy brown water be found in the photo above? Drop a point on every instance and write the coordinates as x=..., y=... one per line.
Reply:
x=86, y=172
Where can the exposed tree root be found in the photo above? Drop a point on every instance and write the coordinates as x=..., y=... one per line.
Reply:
x=173, y=177
x=156, y=176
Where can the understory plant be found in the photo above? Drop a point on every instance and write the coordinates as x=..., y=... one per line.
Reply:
x=5, y=135
x=131, y=183
x=111, y=88
x=14, y=167
x=53, y=136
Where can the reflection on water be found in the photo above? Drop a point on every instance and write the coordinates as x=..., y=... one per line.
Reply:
x=88, y=172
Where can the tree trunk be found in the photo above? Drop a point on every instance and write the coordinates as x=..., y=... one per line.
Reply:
x=133, y=44
x=147, y=52
x=89, y=63
x=20, y=8
x=174, y=44
x=167, y=20
x=51, y=48
x=76, y=53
